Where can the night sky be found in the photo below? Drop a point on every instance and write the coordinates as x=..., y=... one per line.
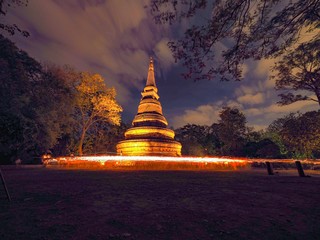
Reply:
x=115, y=38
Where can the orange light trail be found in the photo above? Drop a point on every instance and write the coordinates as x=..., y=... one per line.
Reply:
x=107, y=158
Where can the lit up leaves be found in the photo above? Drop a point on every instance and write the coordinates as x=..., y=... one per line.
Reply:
x=95, y=102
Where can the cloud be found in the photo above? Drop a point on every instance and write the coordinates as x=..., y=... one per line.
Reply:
x=251, y=99
x=257, y=117
x=302, y=106
x=263, y=116
x=264, y=70
x=164, y=54
x=113, y=38
x=263, y=67
x=202, y=115
x=116, y=38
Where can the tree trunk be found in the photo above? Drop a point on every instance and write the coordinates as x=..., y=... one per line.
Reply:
x=318, y=95
x=81, y=142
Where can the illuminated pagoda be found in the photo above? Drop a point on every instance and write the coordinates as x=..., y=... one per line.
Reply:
x=149, y=134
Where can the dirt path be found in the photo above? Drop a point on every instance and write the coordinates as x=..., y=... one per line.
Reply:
x=74, y=204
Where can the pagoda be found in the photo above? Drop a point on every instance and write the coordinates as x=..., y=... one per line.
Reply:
x=149, y=134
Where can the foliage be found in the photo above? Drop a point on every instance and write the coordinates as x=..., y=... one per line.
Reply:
x=106, y=137
x=68, y=77
x=299, y=71
x=232, y=131
x=194, y=139
x=33, y=104
x=95, y=102
x=227, y=137
x=264, y=148
x=47, y=107
x=11, y=28
x=273, y=132
x=247, y=29
x=295, y=135
x=299, y=133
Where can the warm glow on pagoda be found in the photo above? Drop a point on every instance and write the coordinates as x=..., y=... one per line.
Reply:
x=149, y=134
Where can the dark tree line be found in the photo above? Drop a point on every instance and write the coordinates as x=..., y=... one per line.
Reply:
x=41, y=104
x=293, y=136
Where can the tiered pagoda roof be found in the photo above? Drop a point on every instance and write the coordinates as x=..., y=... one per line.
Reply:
x=149, y=134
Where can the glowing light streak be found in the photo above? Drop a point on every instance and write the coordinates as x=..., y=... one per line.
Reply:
x=106, y=158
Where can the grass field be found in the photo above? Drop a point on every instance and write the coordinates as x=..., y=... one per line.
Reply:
x=89, y=204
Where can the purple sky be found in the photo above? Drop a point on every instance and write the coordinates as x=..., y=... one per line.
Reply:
x=115, y=39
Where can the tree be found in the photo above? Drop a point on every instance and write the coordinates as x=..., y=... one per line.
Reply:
x=232, y=131
x=42, y=106
x=299, y=71
x=66, y=78
x=105, y=137
x=248, y=29
x=18, y=74
x=95, y=103
x=213, y=142
x=273, y=132
x=7, y=27
x=193, y=139
x=33, y=107
x=299, y=133
x=264, y=148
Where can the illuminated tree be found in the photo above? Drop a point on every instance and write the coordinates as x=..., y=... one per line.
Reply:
x=225, y=33
x=95, y=102
x=299, y=71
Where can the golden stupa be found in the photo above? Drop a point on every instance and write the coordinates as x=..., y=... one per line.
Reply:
x=149, y=134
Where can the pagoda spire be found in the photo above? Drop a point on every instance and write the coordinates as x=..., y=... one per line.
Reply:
x=151, y=79
x=149, y=134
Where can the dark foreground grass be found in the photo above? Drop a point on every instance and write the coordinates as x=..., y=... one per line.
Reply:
x=79, y=204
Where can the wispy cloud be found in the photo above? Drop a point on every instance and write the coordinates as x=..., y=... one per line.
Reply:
x=113, y=38
x=251, y=99
x=116, y=37
x=202, y=115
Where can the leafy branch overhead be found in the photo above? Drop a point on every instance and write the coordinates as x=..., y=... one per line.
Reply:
x=299, y=71
x=234, y=31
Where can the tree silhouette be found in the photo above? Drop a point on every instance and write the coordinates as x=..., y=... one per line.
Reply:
x=34, y=105
x=299, y=71
x=232, y=131
x=219, y=40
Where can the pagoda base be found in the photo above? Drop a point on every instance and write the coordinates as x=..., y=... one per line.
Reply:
x=149, y=147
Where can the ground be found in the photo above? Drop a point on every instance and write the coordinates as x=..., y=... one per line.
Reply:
x=88, y=204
